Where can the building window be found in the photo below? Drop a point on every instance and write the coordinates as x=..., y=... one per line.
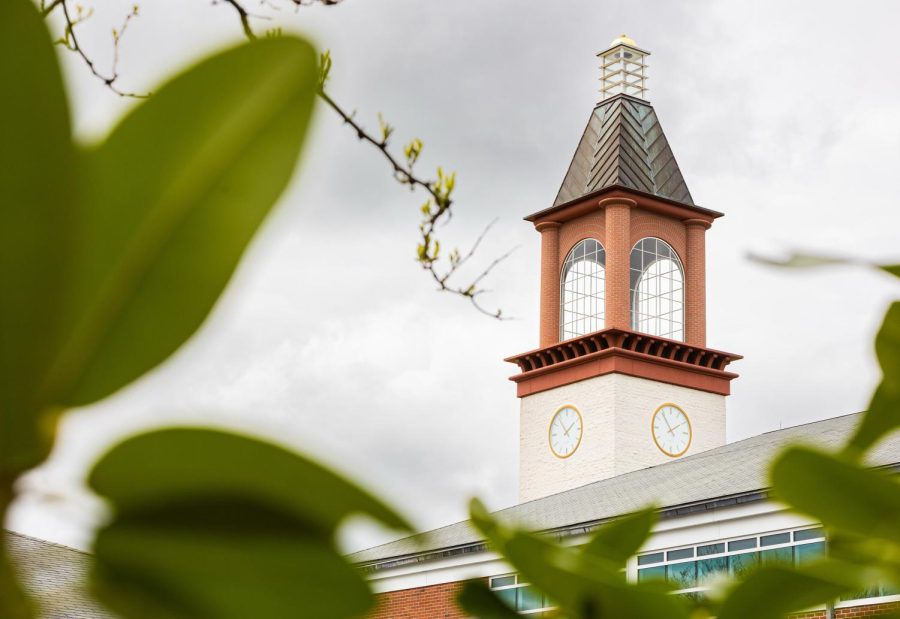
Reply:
x=736, y=557
x=691, y=568
x=583, y=290
x=520, y=596
x=657, y=289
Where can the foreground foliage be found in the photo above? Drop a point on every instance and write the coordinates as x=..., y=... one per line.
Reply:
x=110, y=266
x=113, y=255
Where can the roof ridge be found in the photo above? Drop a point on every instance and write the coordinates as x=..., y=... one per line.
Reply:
x=46, y=542
x=805, y=423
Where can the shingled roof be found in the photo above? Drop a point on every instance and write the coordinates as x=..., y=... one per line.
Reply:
x=624, y=144
x=733, y=472
x=55, y=576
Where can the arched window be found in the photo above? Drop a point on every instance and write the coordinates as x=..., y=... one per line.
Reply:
x=583, y=290
x=657, y=289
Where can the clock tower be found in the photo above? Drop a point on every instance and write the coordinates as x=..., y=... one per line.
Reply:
x=623, y=378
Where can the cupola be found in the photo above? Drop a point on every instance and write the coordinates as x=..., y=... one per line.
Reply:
x=623, y=70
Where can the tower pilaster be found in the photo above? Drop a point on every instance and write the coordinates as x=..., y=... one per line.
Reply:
x=618, y=247
x=695, y=282
x=549, y=319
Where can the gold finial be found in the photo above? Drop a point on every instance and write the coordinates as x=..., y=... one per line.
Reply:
x=623, y=39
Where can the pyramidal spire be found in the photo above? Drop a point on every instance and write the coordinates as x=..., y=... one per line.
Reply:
x=623, y=143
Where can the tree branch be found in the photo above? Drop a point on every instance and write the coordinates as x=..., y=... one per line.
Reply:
x=46, y=10
x=402, y=173
x=244, y=16
x=70, y=40
x=436, y=209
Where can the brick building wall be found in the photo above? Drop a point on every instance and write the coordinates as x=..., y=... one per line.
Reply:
x=873, y=610
x=438, y=602
x=434, y=602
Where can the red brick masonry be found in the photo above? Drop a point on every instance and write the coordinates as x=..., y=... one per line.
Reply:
x=434, y=602
x=438, y=602
x=873, y=610
x=618, y=218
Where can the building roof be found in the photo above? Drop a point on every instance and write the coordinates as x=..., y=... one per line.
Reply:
x=624, y=145
x=55, y=576
x=735, y=470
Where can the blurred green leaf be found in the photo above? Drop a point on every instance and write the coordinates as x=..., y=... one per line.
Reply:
x=883, y=415
x=859, y=500
x=867, y=553
x=479, y=601
x=538, y=560
x=583, y=584
x=774, y=592
x=799, y=261
x=175, y=464
x=223, y=560
x=169, y=203
x=881, y=418
x=211, y=525
x=621, y=539
x=806, y=261
x=37, y=169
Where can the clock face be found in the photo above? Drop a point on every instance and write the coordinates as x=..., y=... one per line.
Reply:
x=565, y=432
x=671, y=430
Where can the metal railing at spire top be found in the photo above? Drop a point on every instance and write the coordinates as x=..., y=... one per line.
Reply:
x=623, y=69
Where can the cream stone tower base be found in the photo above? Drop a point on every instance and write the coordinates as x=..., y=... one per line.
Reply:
x=616, y=410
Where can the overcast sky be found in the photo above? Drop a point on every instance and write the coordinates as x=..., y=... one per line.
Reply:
x=781, y=114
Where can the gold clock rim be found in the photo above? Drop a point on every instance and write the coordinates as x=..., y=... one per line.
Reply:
x=580, y=431
x=690, y=430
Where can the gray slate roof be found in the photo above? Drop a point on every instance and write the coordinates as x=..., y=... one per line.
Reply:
x=735, y=469
x=624, y=144
x=55, y=576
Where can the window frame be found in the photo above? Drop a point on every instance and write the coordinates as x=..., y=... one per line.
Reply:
x=517, y=584
x=817, y=537
x=596, y=299
x=637, y=318
x=757, y=549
